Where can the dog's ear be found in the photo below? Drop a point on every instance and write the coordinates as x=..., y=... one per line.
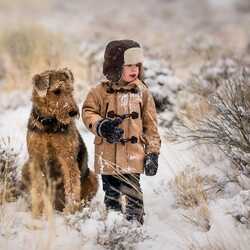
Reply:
x=68, y=73
x=41, y=84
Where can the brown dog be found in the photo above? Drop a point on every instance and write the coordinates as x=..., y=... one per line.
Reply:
x=57, y=169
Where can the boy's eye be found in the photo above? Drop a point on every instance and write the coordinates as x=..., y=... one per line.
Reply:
x=57, y=92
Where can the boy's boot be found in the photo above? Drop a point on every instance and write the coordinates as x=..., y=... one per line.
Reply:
x=112, y=194
x=132, y=198
x=134, y=210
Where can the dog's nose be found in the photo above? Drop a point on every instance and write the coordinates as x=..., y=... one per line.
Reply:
x=73, y=113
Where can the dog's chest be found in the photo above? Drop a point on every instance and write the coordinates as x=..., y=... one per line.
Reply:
x=58, y=143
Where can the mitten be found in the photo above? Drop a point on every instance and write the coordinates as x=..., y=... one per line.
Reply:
x=109, y=129
x=151, y=164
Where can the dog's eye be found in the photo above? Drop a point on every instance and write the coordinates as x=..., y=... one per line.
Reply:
x=57, y=92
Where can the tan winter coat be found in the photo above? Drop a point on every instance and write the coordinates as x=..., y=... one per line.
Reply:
x=126, y=157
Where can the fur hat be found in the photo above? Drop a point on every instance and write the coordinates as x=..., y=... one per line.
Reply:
x=118, y=53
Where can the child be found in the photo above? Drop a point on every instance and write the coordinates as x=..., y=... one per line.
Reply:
x=121, y=113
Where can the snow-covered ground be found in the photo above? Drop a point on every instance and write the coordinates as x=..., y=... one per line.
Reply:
x=22, y=231
x=167, y=225
x=192, y=37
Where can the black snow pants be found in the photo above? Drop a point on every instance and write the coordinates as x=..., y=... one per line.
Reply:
x=123, y=193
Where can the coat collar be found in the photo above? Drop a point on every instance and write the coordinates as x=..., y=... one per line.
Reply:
x=112, y=87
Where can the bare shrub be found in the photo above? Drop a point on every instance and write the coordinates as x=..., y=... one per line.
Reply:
x=112, y=230
x=94, y=209
x=9, y=185
x=193, y=101
x=228, y=127
x=202, y=44
x=120, y=235
x=211, y=74
x=162, y=82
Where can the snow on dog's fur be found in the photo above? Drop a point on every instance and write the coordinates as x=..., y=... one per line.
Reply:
x=57, y=166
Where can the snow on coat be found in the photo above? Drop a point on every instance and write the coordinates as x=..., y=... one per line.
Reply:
x=107, y=98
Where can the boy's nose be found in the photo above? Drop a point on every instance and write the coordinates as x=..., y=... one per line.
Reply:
x=134, y=67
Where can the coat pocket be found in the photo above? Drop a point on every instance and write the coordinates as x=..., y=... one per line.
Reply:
x=98, y=140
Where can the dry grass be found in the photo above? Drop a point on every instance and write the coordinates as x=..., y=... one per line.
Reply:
x=12, y=221
x=8, y=223
x=189, y=189
x=190, y=193
x=195, y=110
x=19, y=4
x=10, y=205
x=226, y=239
x=199, y=217
x=29, y=49
x=9, y=189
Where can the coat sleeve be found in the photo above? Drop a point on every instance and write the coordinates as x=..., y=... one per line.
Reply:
x=149, y=123
x=91, y=111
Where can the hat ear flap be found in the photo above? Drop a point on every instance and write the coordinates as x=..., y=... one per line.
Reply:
x=141, y=72
x=40, y=84
x=114, y=74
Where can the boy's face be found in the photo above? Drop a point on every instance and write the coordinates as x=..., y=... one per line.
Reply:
x=130, y=72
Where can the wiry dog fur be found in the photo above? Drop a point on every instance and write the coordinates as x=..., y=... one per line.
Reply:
x=57, y=166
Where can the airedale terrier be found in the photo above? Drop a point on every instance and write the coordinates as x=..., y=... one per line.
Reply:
x=57, y=169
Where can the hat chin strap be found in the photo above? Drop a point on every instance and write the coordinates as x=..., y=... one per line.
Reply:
x=133, y=56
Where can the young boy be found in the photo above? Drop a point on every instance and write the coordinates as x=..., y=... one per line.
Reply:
x=121, y=113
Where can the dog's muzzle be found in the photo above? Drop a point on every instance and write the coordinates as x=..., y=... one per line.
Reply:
x=48, y=121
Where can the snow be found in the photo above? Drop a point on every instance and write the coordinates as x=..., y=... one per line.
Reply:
x=93, y=228
x=168, y=31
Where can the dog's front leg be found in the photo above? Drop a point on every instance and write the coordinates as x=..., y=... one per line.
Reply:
x=37, y=189
x=72, y=185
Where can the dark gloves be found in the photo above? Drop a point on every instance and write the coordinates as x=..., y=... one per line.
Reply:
x=108, y=129
x=151, y=164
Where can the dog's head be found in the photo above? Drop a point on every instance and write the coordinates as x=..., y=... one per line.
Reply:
x=53, y=95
